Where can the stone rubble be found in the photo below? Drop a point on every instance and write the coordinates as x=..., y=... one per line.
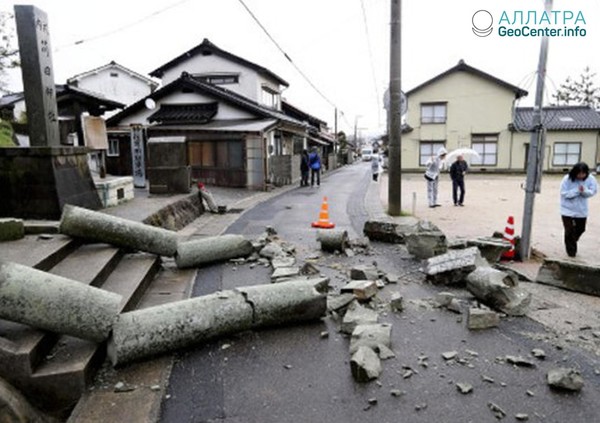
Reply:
x=565, y=378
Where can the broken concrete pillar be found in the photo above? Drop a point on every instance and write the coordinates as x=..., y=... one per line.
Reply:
x=362, y=290
x=482, y=319
x=426, y=241
x=390, y=232
x=333, y=240
x=451, y=267
x=365, y=365
x=167, y=327
x=211, y=249
x=570, y=275
x=491, y=248
x=357, y=315
x=11, y=229
x=498, y=290
x=83, y=223
x=56, y=304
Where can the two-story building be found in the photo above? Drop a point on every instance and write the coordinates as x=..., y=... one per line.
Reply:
x=466, y=107
x=229, y=111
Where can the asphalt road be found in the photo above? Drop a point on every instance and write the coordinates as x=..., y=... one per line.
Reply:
x=291, y=374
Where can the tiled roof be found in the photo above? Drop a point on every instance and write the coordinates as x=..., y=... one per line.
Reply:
x=463, y=67
x=207, y=48
x=113, y=65
x=64, y=92
x=559, y=118
x=185, y=113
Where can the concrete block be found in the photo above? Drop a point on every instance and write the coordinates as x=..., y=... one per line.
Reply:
x=11, y=229
x=570, y=275
x=364, y=272
x=365, y=365
x=397, y=302
x=357, y=315
x=451, y=267
x=482, y=319
x=362, y=290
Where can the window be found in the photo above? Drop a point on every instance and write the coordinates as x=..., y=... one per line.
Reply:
x=113, y=147
x=487, y=147
x=219, y=79
x=566, y=153
x=269, y=98
x=428, y=149
x=114, y=75
x=433, y=113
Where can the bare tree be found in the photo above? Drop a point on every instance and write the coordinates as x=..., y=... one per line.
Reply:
x=582, y=91
x=9, y=52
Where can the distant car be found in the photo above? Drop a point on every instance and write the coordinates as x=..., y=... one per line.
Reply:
x=367, y=154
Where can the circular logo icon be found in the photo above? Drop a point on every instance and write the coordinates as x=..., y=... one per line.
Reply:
x=482, y=23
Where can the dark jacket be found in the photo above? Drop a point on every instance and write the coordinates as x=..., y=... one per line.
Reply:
x=304, y=163
x=458, y=169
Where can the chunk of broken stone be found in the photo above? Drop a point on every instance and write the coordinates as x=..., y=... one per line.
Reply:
x=397, y=302
x=363, y=272
x=309, y=269
x=464, y=388
x=426, y=241
x=377, y=336
x=449, y=355
x=333, y=240
x=365, y=365
x=392, y=278
x=283, y=261
x=281, y=273
x=565, y=378
x=519, y=361
x=571, y=275
x=451, y=267
x=390, y=232
x=491, y=248
x=498, y=412
x=498, y=290
x=272, y=250
x=522, y=417
x=357, y=315
x=361, y=289
x=444, y=298
x=11, y=229
x=538, y=353
x=338, y=303
x=482, y=319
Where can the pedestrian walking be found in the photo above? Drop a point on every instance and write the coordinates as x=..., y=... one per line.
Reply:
x=314, y=161
x=432, y=172
x=304, y=168
x=375, y=168
x=458, y=169
x=575, y=189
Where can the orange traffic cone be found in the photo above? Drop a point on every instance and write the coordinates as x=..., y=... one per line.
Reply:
x=323, y=221
x=509, y=235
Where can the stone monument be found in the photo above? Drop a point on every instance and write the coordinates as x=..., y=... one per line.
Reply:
x=37, y=181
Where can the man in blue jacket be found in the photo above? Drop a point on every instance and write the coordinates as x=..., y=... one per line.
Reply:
x=314, y=161
x=575, y=189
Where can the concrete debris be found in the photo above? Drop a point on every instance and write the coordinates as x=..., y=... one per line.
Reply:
x=397, y=302
x=155, y=330
x=449, y=355
x=11, y=229
x=422, y=406
x=283, y=273
x=482, y=319
x=357, y=315
x=519, y=361
x=364, y=272
x=451, y=267
x=324, y=334
x=498, y=289
x=392, y=278
x=397, y=393
x=498, y=412
x=79, y=222
x=272, y=250
x=309, y=269
x=380, y=284
x=211, y=250
x=426, y=241
x=530, y=393
x=365, y=365
x=568, y=274
x=464, y=388
x=408, y=374
x=339, y=303
x=521, y=417
x=282, y=261
x=121, y=387
x=362, y=289
x=378, y=337
x=487, y=379
x=491, y=248
x=565, y=378
x=56, y=304
x=443, y=299
x=454, y=306
x=538, y=353
x=333, y=240
x=393, y=233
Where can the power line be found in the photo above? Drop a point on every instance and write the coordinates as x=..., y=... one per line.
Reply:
x=286, y=55
x=124, y=27
x=372, y=61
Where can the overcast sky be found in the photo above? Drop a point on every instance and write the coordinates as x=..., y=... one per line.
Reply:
x=342, y=46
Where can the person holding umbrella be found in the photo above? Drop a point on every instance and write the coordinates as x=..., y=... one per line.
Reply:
x=458, y=169
x=432, y=172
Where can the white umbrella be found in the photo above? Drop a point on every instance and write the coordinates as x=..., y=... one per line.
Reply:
x=467, y=153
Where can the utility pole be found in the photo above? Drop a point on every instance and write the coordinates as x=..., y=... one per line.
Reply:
x=394, y=117
x=535, y=157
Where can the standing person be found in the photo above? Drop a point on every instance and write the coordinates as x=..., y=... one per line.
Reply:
x=304, y=168
x=575, y=189
x=432, y=172
x=314, y=162
x=375, y=168
x=457, y=174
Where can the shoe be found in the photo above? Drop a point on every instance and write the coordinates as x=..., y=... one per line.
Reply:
x=455, y=204
x=461, y=204
x=437, y=205
x=431, y=207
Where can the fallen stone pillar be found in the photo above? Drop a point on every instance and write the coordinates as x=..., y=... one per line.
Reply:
x=570, y=275
x=155, y=330
x=212, y=249
x=333, y=240
x=390, y=232
x=56, y=304
x=83, y=223
x=498, y=289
